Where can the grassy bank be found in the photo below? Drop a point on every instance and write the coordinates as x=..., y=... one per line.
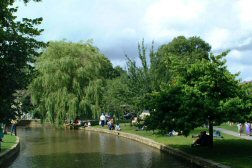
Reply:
x=230, y=150
x=9, y=141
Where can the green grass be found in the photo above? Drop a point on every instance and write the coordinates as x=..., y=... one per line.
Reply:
x=230, y=127
x=9, y=141
x=230, y=150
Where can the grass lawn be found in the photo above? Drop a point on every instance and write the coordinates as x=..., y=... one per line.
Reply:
x=230, y=150
x=9, y=141
x=227, y=126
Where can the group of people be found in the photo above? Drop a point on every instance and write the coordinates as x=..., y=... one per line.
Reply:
x=248, y=128
x=110, y=122
x=77, y=123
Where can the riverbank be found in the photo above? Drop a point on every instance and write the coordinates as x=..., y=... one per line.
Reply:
x=9, y=150
x=195, y=160
x=231, y=151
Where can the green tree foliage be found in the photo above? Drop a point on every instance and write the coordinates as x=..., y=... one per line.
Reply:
x=117, y=96
x=206, y=87
x=18, y=48
x=126, y=92
x=146, y=78
x=191, y=48
x=22, y=104
x=242, y=105
x=181, y=52
x=70, y=81
x=172, y=59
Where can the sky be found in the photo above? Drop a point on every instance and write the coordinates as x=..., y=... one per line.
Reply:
x=117, y=26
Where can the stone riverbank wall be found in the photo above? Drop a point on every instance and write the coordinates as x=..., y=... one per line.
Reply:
x=34, y=123
x=8, y=156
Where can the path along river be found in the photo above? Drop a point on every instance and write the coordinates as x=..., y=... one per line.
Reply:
x=49, y=148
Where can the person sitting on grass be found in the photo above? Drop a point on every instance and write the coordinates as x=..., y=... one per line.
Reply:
x=111, y=125
x=202, y=140
x=173, y=133
x=117, y=127
x=217, y=134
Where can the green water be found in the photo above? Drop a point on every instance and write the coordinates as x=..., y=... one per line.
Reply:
x=49, y=148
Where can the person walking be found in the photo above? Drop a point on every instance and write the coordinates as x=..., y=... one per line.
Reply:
x=248, y=128
x=240, y=128
x=14, y=127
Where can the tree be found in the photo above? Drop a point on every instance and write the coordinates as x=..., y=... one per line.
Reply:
x=207, y=86
x=70, y=81
x=181, y=52
x=116, y=96
x=201, y=91
x=146, y=78
x=241, y=104
x=192, y=48
x=18, y=48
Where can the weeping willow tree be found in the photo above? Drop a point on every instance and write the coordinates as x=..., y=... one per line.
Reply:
x=70, y=81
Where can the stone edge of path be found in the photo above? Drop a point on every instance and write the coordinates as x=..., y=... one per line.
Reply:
x=195, y=160
x=8, y=156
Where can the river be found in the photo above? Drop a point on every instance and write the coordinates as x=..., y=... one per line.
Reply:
x=50, y=148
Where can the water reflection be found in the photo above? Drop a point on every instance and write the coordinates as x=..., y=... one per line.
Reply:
x=71, y=148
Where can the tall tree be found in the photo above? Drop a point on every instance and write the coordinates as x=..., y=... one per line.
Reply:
x=207, y=87
x=70, y=81
x=18, y=48
x=146, y=78
x=117, y=96
x=202, y=91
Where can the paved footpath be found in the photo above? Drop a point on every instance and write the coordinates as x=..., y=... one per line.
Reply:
x=236, y=134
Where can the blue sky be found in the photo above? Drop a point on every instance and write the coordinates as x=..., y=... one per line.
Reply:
x=116, y=26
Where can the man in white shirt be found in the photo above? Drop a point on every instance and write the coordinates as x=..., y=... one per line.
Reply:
x=102, y=119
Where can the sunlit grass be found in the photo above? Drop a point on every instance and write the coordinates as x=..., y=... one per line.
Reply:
x=231, y=127
x=9, y=141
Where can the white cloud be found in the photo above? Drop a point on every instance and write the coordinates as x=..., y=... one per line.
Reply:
x=235, y=54
x=244, y=7
x=242, y=69
x=117, y=26
x=219, y=38
x=170, y=18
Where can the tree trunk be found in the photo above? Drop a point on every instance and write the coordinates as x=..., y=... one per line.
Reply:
x=210, y=125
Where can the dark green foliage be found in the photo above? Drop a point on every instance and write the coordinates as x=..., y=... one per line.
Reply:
x=192, y=48
x=126, y=93
x=147, y=78
x=18, y=49
x=22, y=103
x=116, y=96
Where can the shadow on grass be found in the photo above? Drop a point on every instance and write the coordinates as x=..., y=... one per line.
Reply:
x=233, y=152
